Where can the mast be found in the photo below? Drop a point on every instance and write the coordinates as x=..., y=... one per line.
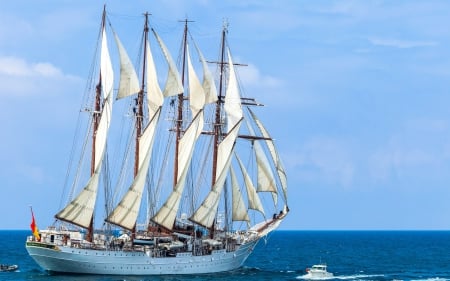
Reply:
x=148, y=103
x=217, y=123
x=96, y=121
x=80, y=210
x=139, y=112
x=179, y=121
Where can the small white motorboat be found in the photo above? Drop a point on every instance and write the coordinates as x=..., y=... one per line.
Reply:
x=8, y=267
x=318, y=271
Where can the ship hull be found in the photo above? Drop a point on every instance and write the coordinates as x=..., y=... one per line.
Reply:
x=63, y=259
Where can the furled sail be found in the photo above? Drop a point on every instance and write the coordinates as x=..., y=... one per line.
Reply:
x=206, y=213
x=173, y=82
x=273, y=152
x=239, y=211
x=167, y=214
x=129, y=83
x=126, y=212
x=80, y=210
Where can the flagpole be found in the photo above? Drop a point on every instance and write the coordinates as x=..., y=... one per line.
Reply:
x=33, y=226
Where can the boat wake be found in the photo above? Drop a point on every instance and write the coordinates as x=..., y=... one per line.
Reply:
x=432, y=279
x=340, y=277
x=309, y=277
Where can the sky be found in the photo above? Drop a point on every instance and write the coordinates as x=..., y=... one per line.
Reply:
x=357, y=97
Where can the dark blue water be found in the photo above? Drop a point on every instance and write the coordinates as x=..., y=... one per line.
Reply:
x=350, y=255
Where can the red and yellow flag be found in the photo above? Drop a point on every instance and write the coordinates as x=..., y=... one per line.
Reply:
x=34, y=228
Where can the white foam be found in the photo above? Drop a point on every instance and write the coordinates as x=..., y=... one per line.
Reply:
x=431, y=279
x=348, y=277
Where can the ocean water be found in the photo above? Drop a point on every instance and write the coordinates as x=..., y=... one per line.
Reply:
x=350, y=255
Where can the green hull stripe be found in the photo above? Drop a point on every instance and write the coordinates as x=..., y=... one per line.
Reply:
x=42, y=245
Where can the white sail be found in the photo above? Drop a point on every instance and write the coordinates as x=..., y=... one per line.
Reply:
x=126, y=212
x=232, y=98
x=196, y=92
x=167, y=213
x=239, y=212
x=207, y=211
x=273, y=152
x=222, y=232
x=155, y=97
x=129, y=83
x=173, y=83
x=266, y=180
x=107, y=74
x=209, y=86
x=254, y=202
x=80, y=210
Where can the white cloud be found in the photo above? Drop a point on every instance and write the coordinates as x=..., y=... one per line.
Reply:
x=46, y=69
x=12, y=66
x=19, y=77
x=251, y=76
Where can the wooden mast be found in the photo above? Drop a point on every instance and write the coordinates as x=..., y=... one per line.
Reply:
x=218, y=124
x=96, y=121
x=179, y=120
x=139, y=112
x=139, y=109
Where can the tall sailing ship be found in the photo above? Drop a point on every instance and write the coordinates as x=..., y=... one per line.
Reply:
x=198, y=184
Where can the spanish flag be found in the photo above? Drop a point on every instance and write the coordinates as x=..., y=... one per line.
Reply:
x=34, y=228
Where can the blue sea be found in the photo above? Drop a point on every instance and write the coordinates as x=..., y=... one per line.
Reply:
x=350, y=255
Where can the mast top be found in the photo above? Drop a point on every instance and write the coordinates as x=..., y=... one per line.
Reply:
x=186, y=20
x=225, y=25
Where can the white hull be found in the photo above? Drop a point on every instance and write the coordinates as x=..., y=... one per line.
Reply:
x=318, y=276
x=318, y=272
x=88, y=261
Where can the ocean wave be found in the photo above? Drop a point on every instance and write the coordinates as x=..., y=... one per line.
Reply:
x=431, y=279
